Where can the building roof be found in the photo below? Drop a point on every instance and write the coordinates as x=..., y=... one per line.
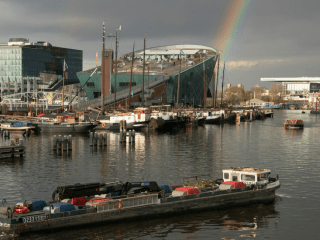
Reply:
x=175, y=49
x=293, y=79
x=169, y=52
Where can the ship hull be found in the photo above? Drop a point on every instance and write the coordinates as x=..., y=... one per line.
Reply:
x=196, y=202
x=65, y=128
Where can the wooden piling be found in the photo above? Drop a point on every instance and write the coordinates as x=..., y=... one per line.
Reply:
x=100, y=140
x=133, y=135
x=70, y=143
x=65, y=143
x=59, y=143
x=130, y=136
x=54, y=142
x=105, y=139
x=91, y=138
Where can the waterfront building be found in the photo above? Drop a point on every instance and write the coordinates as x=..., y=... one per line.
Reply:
x=255, y=103
x=26, y=65
x=162, y=70
x=297, y=87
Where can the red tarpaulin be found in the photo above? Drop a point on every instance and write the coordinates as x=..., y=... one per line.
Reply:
x=40, y=115
x=236, y=184
x=79, y=201
x=189, y=190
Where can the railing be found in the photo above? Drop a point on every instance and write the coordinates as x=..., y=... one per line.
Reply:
x=122, y=94
x=127, y=203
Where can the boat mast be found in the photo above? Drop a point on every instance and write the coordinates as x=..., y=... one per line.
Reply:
x=178, y=92
x=64, y=69
x=131, y=76
x=115, y=74
x=102, y=69
x=144, y=66
x=215, y=102
x=224, y=66
x=204, y=85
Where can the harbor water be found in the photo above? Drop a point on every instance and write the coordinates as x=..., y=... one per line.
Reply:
x=167, y=158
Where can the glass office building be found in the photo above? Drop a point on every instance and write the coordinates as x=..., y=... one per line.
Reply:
x=21, y=60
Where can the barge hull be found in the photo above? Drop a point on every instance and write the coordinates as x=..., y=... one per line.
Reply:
x=224, y=199
x=65, y=129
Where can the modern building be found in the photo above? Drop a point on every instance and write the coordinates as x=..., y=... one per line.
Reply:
x=163, y=64
x=300, y=86
x=25, y=65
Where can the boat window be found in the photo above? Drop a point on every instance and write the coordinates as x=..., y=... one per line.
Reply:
x=263, y=176
x=248, y=177
x=226, y=176
x=234, y=178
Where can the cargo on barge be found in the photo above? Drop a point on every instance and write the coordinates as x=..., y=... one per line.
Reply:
x=118, y=201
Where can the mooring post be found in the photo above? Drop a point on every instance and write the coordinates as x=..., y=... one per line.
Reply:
x=59, y=145
x=121, y=126
x=125, y=125
x=105, y=139
x=70, y=143
x=238, y=119
x=100, y=140
x=91, y=138
x=95, y=139
x=121, y=132
x=65, y=143
x=21, y=150
x=133, y=135
x=54, y=142
x=130, y=136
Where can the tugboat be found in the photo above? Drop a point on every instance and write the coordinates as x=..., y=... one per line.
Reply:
x=83, y=204
x=293, y=124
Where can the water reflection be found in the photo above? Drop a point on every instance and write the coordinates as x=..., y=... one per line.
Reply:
x=170, y=156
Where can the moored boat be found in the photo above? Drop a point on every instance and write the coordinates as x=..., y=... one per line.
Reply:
x=64, y=127
x=293, y=124
x=83, y=204
x=19, y=127
x=315, y=111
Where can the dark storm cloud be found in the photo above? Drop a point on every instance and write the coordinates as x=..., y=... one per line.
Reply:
x=286, y=30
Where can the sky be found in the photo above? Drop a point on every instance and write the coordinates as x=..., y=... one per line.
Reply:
x=272, y=38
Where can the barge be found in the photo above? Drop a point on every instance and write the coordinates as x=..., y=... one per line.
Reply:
x=75, y=204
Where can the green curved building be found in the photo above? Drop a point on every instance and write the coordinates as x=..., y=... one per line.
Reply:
x=161, y=75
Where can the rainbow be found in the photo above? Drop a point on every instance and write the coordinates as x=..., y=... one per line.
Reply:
x=229, y=27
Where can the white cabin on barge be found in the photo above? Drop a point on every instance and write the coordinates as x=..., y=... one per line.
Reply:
x=249, y=176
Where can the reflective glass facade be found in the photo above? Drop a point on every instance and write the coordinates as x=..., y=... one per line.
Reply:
x=19, y=62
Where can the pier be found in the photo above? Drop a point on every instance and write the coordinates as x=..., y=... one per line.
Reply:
x=16, y=149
